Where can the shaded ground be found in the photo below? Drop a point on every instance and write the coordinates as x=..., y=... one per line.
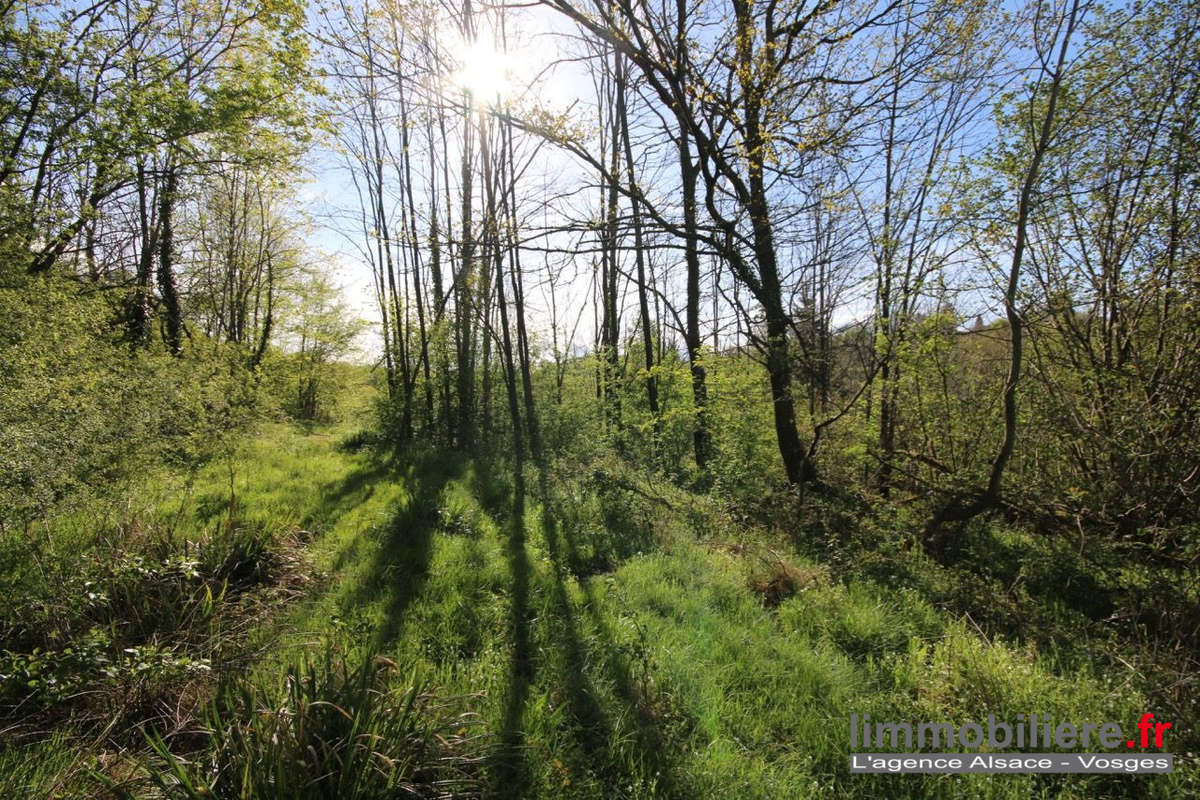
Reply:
x=616, y=643
x=670, y=674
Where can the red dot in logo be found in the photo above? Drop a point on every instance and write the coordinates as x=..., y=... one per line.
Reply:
x=1129, y=743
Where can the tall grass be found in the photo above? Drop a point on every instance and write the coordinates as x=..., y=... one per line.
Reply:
x=610, y=636
x=350, y=729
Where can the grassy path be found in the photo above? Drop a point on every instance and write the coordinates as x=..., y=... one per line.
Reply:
x=612, y=649
x=622, y=640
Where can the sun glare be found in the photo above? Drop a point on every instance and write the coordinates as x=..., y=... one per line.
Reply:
x=484, y=71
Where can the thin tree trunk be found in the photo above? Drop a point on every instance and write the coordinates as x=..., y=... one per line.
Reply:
x=518, y=286
x=172, y=310
x=139, y=306
x=463, y=296
x=796, y=461
x=639, y=254
x=959, y=509
x=701, y=437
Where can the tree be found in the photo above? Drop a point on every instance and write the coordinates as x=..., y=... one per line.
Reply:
x=129, y=109
x=1112, y=346
x=913, y=154
x=1052, y=52
x=240, y=248
x=321, y=330
x=765, y=79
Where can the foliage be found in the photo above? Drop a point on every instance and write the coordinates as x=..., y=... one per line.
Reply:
x=320, y=331
x=338, y=729
x=1107, y=421
x=498, y=565
x=79, y=415
x=111, y=621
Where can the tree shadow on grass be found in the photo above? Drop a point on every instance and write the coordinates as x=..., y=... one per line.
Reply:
x=493, y=489
x=399, y=567
x=576, y=659
x=354, y=488
x=511, y=768
x=649, y=751
x=595, y=728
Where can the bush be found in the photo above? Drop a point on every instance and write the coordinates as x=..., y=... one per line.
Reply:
x=128, y=620
x=80, y=412
x=340, y=730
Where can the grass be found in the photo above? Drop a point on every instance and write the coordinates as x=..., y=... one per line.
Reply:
x=670, y=674
x=338, y=728
x=440, y=634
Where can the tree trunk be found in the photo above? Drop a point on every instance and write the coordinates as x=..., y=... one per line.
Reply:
x=172, y=311
x=796, y=461
x=962, y=508
x=639, y=254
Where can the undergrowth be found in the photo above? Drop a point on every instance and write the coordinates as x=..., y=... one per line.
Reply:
x=341, y=726
x=116, y=630
x=400, y=624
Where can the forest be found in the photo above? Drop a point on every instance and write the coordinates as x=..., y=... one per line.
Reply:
x=594, y=398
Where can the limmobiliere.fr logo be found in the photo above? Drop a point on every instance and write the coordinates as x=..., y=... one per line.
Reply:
x=1026, y=734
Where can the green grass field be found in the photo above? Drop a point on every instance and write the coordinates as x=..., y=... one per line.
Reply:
x=599, y=637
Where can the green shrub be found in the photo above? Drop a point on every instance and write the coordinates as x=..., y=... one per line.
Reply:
x=335, y=729
x=123, y=619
